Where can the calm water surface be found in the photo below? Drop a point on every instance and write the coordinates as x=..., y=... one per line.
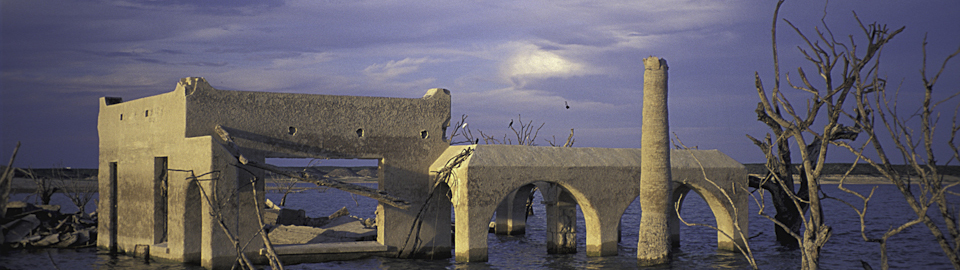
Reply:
x=914, y=248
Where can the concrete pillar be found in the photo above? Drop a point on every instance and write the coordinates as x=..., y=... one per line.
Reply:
x=561, y=221
x=673, y=221
x=653, y=246
x=511, y=217
x=472, y=227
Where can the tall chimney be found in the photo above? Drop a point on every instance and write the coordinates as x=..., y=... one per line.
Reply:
x=653, y=247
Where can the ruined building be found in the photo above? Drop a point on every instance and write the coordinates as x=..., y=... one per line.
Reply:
x=166, y=175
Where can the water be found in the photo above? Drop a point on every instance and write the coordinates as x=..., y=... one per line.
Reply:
x=913, y=248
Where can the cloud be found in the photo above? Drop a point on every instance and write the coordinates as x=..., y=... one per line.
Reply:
x=393, y=68
x=233, y=7
x=530, y=61
x=300, y=61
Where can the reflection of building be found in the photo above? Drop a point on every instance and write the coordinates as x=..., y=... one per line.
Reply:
x=152, y=151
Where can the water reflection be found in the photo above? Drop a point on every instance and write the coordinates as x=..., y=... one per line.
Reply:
x=914, y=248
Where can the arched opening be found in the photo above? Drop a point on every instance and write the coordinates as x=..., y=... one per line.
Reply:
x=694, y=210
x=702, y=207
x=536, y=218
x=629, y=231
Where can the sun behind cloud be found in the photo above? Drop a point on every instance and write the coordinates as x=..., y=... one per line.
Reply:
x=532, y=62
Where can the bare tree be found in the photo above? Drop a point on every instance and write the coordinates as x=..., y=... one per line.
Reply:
x=45, y=186
x=841, y=67
x=877, y=111
x=526, y=135
x=6, y=179
x=74, y=188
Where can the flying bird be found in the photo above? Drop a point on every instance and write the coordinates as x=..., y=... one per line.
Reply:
x=565, y=103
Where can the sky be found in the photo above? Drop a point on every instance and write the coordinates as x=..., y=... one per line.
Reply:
x=500, y=59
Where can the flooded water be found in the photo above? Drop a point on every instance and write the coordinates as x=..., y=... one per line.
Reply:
x=914, y=248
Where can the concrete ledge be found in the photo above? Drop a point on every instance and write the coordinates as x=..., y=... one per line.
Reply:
x=328, y=248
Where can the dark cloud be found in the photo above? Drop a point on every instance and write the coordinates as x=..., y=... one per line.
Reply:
x=216, y=7
x=499, y=58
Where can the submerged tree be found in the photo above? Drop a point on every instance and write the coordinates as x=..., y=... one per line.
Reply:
x=840, y=66
x=922, y=185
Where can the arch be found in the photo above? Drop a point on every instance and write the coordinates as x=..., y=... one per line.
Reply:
x=473, y=216
x=727, y=214
x=511, y=215
x=561, y=215
x=602, y=181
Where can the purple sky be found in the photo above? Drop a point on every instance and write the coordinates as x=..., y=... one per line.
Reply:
x=498, y=58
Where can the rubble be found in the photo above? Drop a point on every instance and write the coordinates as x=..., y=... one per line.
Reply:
x=37, y=226
x=341, y=172
x=294, y=227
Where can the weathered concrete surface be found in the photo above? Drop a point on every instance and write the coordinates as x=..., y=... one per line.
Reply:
x=603, y=181
x=721, y=182
x=343, y=230
x=494, y=171
x=322, y=252
x=653, y=246
x=142, y=203
x=561, y=210
x=152, y=151
x=511, y=216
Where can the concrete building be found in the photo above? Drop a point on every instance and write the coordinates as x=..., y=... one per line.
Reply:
x=165, y=176
x=152, y=149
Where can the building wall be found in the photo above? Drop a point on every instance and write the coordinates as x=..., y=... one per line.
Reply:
x=152, y=149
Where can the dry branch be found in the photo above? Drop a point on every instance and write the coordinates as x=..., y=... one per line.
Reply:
x=5, y=180
x=378, y=195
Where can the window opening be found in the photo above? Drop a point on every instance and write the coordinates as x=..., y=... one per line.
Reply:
x=160, y=199
x=318, y=202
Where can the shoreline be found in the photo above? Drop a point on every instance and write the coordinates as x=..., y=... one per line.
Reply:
x=27, y=185
x=22, y=185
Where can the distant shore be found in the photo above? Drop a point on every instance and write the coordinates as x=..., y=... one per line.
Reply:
x=86, y=179
x=27, y=185
x=834, y=179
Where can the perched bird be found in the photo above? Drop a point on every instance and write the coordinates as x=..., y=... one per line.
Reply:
x=464, y=125
x=477, y=141
x=511, y=123
x=565, y=103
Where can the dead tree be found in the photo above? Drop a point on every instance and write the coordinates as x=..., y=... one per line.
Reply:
x=45, y=185
x=74, y=189
x=526, y=135
x=6, y=179
x=840, y=66
x=876, y=111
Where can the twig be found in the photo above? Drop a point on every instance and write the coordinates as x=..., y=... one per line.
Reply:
x=6, y=180
x=378, y=195
x=443, y=176
x=219, y=217
x=271, y=253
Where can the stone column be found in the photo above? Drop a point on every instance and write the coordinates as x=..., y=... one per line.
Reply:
x=511, y=217
x=653, y=246
x=561, y=221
